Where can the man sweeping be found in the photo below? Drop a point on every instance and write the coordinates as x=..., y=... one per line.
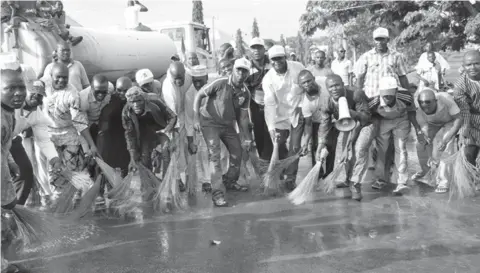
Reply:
x=283, y=114
x=467, y=97
x=324, y=108
x=111, y=142
x=226, y=102
x=13, y=93
x=197, y=147
x=440, y=120
x=395, y=113
x=62, y=106
x=174, y=89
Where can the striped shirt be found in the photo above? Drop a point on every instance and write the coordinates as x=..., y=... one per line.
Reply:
x=467, y=96
x=376, y=65
x=403, y=105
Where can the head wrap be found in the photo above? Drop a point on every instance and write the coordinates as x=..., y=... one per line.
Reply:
x=38, y=87
x=199, y=71
x=135, y=93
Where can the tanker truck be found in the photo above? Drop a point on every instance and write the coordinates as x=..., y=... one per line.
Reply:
x=112, y=53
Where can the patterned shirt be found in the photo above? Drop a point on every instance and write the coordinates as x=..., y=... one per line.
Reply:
x=467, y=96
x=376, y=65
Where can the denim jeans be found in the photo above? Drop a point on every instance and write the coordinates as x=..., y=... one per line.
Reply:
x=229, y=136
x=295, y=144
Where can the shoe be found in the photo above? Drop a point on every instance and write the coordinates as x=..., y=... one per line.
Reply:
x=401, y=189
x=207, y=188
x=218, y=199
x=234, y=186
x=75, y=41
x=356, y=189
x=181, y=186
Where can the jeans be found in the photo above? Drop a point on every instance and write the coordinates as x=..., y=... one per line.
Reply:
x=294, y=147
x=362, y=146
x=260, y=130
x=229, y=136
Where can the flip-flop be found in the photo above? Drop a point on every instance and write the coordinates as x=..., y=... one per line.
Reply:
x=379, y=184
x=441, y=189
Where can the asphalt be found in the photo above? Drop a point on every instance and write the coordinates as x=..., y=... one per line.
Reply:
x=418, y=232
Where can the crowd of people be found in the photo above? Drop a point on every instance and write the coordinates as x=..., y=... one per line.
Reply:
x=64, y=120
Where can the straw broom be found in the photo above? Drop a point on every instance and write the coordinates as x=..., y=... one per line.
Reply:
x=462, y=179
x=109, y=173
x=259, y=165
x=168, y=196
x=88, y=200
x=33, y=226
x=192, y=176
x=78, y=181
x=303, y=191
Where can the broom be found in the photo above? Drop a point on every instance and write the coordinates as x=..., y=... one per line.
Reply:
x=462, y=179
x=109, y=173
x=87, y=200
x=167, y=197
x=301, y=193
x=78, y=181
x=121, y=195
x=33, y=226
x=259, y=165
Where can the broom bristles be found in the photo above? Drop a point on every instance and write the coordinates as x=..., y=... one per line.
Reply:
x=303, y=191
x=259, y=165
x=108, y=172
x=64, y=203
x=271, y=180
x=120, y=196
x=463, y=176
x=88, y=200
x=167, y=197
x=329, y=184
x=33, y=226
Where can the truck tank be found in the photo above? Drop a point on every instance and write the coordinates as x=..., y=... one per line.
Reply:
x=112, y=53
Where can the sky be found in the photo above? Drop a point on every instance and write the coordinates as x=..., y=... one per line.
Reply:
x=274, y=17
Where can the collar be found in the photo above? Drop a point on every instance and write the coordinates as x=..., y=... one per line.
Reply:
x=374, y=51
x=243, y=88
x=7, y=108
x=266, y=64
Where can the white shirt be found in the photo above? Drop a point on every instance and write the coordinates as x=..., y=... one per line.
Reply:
x=282, y=97
x=131, y=16
x=429, y=71
x=438, y=57
x=343, y=69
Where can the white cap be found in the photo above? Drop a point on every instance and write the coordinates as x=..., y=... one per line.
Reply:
x=380, y=33
x=198, y=71
x=143, y=76
x=388, y=86
x=242, y=63
x=257, y=41
x=293, y=53
x=276, y=51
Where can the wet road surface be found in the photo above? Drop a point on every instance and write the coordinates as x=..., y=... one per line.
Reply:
x=383, y=233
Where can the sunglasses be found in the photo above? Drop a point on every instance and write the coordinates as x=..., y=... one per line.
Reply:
x=425, y=101
x=342, y=51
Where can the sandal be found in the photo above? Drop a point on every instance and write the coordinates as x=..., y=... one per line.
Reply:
x=401, y=188
x=218, y=199
x=379, y=184
x=417, y=176
x=441, y=189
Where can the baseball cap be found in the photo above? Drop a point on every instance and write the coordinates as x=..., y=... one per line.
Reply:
x=144, y=76
x=242, y=63
x=276, y=51
x=293, y=54
x=380, y=33
x=257, y=41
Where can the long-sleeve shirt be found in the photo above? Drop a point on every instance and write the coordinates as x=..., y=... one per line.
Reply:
x=63, y=109
x=38, y=122
x=140, y=129
x=7, y=124
x=174, y=97
x=282, y=97
x=404, y=104
x=467, y=96
x=357, y=101
x=189, y=113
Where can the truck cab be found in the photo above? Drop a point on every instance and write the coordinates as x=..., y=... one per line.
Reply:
x=195, y=37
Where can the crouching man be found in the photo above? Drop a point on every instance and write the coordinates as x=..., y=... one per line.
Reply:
x=440, y=120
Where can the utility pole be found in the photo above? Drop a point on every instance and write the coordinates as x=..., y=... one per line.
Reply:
x=214, y=50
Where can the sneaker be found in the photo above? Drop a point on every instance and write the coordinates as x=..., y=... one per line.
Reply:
x=401, y=189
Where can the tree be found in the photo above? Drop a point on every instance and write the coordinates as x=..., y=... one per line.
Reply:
x=255, y=31
x=449, y=24
x=282, y=41
x=239, y=44
x=300, y=48
x=197, y=12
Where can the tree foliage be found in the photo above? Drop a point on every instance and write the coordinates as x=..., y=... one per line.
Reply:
x=240, y=49
x=197, y=12
x=449, y=24
x=255, y=30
